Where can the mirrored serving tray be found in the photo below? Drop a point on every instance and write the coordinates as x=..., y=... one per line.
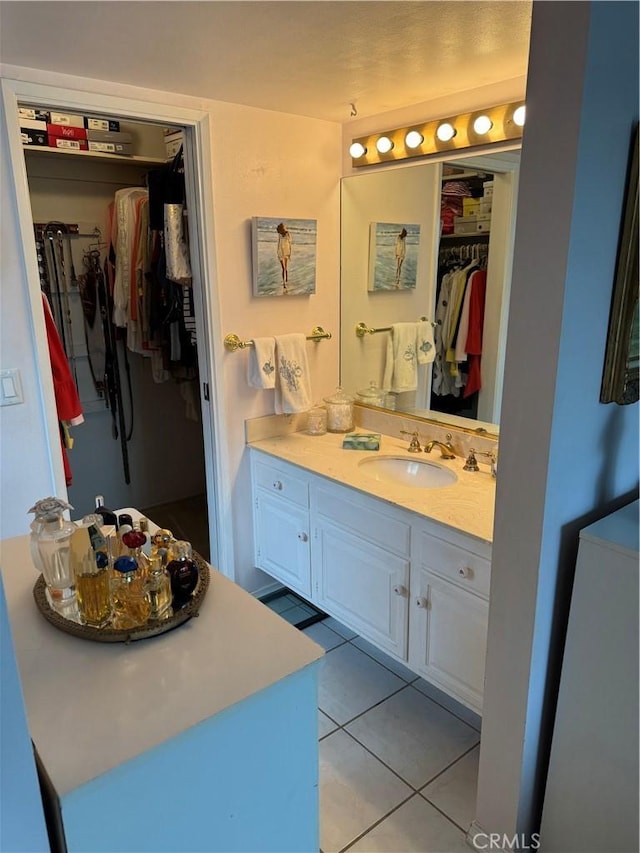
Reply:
x=126, y=635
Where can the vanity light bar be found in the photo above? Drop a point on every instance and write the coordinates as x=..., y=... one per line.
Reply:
x=481, y=127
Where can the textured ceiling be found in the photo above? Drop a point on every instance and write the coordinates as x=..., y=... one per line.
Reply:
x=309, y=58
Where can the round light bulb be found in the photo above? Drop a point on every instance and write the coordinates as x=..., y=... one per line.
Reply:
x=482, y=125
x=384, y=145
x=445, y=132
x=357, y=149
x=519, y=116
x=413, y=139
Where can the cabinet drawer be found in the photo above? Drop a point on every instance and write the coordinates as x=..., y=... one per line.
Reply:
x=457, y=564
x=361, y=515
x=280, y=481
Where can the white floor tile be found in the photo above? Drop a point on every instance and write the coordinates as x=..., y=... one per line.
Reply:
x=413, y=735
x=339, y=628
x=395, y=666
x=325, y=725
x=470, y=717
x=351, y=682
x=454, y=791
x=413, y=829
x=324, y=636
x=356, y=790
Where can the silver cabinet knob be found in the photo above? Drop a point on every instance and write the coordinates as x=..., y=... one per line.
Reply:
x=422, y=603
x=465, y=572
x=400, y=589
x=277, y=485
x=303, y=537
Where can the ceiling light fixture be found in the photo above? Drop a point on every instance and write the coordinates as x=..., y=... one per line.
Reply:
x=519, y=115
x=384, y=144
x=413, y=139
x=482, y=125
x=502, y=123
x=357, y=150
x=445, y=132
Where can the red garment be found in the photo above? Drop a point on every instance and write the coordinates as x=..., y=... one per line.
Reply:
x=68, y=404
x=474, y=335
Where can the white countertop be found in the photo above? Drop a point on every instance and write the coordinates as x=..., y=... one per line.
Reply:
x=467, y=505
x=93, y=706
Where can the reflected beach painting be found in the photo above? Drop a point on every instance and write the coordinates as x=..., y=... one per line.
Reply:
x=284, y=256
x=393, y=255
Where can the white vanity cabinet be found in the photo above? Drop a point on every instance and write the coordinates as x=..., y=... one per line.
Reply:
x=449, y=613
x=360, y=555
x=281, y=522
x=416, y=589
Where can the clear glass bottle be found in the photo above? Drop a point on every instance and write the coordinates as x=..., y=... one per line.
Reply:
x=143, y=526
x=50, y=551
x=129, y=599
x=158, y=587
x=183, y=572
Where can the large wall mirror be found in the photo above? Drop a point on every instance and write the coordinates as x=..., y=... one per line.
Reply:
x=458, y=219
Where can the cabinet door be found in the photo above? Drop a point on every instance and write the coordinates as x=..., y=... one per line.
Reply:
x=362, y=585
x=281, y=536
x=448, y=636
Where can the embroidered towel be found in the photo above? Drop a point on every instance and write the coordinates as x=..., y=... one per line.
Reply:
x=400, y=371
x=261, y=370
x=293, y=388
x=425, y=345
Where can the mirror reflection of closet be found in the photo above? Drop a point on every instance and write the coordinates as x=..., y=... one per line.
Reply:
x=70, y=192
x=413, y=194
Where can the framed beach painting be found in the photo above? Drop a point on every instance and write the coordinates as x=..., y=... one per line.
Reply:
x=284, y=256
x=393, y=255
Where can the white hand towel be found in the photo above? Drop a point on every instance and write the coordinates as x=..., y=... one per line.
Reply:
x=261, y=370
x=293, y=386
x=425, y=346
x=400, y=372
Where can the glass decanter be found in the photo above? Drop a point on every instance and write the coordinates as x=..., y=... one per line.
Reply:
x=50, y=542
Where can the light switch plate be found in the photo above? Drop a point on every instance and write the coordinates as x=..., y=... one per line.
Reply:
x=10, y=387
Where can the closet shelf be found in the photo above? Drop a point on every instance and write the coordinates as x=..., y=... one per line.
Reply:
x=135, y=160
x=477, y=236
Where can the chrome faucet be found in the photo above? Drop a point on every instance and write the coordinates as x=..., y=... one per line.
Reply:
x=446, y=449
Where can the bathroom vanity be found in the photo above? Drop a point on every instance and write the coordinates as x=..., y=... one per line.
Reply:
x=407, y=567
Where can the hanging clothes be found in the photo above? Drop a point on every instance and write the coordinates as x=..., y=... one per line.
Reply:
x=474, y=336
x=68, y=404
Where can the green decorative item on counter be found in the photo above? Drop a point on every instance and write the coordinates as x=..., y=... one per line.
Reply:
x=362, y=441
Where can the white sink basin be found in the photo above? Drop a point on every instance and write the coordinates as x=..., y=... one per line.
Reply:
x=405, y=471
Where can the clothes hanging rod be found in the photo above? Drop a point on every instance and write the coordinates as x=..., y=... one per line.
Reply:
x=43, y=229
x=362, y=329
x=232, y=342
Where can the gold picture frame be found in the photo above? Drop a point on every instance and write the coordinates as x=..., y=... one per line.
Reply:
x=622, y=356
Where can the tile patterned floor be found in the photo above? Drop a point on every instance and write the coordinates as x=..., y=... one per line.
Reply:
x=398, y=758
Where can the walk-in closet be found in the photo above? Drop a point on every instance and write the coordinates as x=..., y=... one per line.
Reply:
x=140, y=442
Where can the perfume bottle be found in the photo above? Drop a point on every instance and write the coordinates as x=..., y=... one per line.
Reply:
x=50, y=551
x=143, y=526
x=162, y=543
x=130, y=602
x=158, y=587
x=91, y=569
x=183, y=572
x=108, y=515
x=132, y=543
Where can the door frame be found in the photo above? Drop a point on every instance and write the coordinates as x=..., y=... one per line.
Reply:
x=199, y=189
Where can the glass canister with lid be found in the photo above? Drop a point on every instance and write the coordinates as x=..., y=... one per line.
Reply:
x=371, y=396
x=339, y=411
